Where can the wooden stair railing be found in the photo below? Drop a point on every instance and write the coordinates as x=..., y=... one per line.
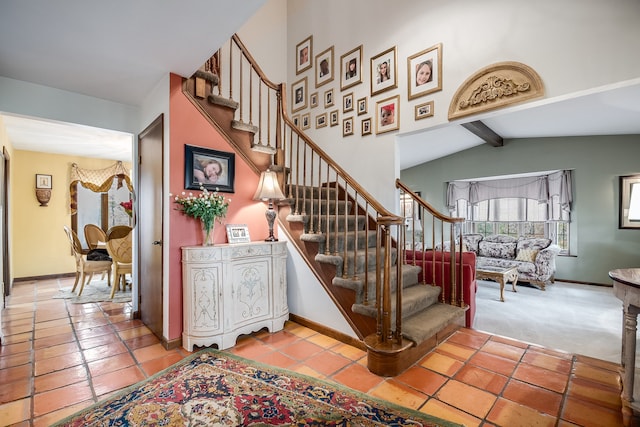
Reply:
x=338, y=227
x=429, y=231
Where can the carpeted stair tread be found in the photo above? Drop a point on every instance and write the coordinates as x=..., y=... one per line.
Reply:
x=247, y=127
x=225, y=102
x=414, y=300
x=261, y=148
x=409, y=278
x=429, y=322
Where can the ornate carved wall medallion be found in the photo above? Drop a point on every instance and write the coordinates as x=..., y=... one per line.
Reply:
x=496, y=86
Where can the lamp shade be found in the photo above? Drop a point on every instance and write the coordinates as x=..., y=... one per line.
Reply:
x=268, y=187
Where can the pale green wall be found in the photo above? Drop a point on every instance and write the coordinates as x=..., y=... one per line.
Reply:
x=597, y=162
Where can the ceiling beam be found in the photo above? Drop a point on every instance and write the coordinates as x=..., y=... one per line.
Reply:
x=483, y=131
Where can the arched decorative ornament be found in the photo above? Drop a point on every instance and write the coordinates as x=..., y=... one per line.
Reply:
x=496, y=86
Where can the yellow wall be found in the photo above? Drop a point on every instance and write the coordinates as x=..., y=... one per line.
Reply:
x=39, y=245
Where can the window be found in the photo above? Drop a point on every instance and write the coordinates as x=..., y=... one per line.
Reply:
x=506, y=206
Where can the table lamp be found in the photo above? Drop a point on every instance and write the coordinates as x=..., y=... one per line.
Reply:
x=269, y=190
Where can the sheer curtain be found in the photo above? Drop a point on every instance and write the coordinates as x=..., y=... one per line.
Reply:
x=543, y=188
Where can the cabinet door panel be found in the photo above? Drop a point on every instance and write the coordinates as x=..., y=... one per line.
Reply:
x=251, y=290
x=206, y=310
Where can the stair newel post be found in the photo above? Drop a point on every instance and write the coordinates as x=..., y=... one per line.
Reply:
x=398, y=268
x=380, y=309
x=387, y=332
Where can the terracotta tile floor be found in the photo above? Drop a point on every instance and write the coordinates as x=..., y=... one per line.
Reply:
x=57, y=358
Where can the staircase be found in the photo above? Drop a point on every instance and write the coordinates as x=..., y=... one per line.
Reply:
x=352, y=243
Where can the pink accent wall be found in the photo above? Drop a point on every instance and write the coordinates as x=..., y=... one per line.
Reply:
x=188, y=127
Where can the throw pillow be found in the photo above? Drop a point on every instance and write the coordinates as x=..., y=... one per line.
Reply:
x=528, y=255
x=497, y=250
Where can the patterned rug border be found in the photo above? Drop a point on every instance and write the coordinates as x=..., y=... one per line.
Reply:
x=280, y=371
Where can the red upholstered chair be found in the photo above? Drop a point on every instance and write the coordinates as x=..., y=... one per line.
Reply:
x=431, y=275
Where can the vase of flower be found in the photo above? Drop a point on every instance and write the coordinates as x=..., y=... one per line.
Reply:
x=207, y=232
x=207, y=207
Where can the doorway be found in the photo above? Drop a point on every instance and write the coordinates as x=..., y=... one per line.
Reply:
x=150, y=205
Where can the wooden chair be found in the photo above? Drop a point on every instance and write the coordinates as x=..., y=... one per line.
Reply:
x=119, y=246
x=85, y=268
x=94, y=234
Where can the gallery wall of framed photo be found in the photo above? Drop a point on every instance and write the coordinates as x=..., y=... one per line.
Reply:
x=324, y=81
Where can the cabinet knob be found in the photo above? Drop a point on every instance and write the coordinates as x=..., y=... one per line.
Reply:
x=157, y=242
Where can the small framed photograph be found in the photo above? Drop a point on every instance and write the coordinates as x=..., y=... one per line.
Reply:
x=306, y=121
x=211, y=169
x=333, y=118
x=366, y=126
x=362, y=106
x=304, y=53
x=321, y=120
x=424, y=72
x=388, y=114
x=347, y=102
x=384, y=71
x=328, y=98
x=324, y=67
x=296, y=120
x=347, y=126
x=351, y=68
x=424, y=110
x=313, y=99
x=238, y=233
x=43, y=181
x=299, y=95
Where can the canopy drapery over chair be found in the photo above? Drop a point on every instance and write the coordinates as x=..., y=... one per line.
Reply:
x=85, y=268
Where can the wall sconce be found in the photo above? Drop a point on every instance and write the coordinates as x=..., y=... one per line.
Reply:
x=43, y=188
x=630, y=202
x=269, y=190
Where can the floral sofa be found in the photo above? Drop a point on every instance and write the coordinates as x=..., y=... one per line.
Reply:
x=535, y=258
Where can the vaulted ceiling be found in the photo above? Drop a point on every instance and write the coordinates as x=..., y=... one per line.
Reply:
x=117, y=50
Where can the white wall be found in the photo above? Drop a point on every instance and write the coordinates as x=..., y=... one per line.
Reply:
x=574, y=45
x=39, y=101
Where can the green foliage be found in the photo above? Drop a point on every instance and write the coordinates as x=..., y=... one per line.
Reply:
x=205, y=206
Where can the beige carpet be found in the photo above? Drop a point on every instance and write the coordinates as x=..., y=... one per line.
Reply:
x=95, y=291
x=579, y=319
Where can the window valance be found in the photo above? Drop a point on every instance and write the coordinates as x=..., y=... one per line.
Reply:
x=98, y=180
x=542, y=188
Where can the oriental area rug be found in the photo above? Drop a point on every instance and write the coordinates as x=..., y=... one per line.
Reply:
x=212, y=388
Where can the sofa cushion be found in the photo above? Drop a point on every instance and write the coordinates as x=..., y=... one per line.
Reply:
x=500, y=238
x=472, y=241
x=532, y=243
x=497, y=250
x=528, y=255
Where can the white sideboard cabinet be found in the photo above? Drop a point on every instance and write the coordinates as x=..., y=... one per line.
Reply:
x=230, y=290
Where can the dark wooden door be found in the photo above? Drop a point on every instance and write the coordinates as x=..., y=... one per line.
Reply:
x=149, y=223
